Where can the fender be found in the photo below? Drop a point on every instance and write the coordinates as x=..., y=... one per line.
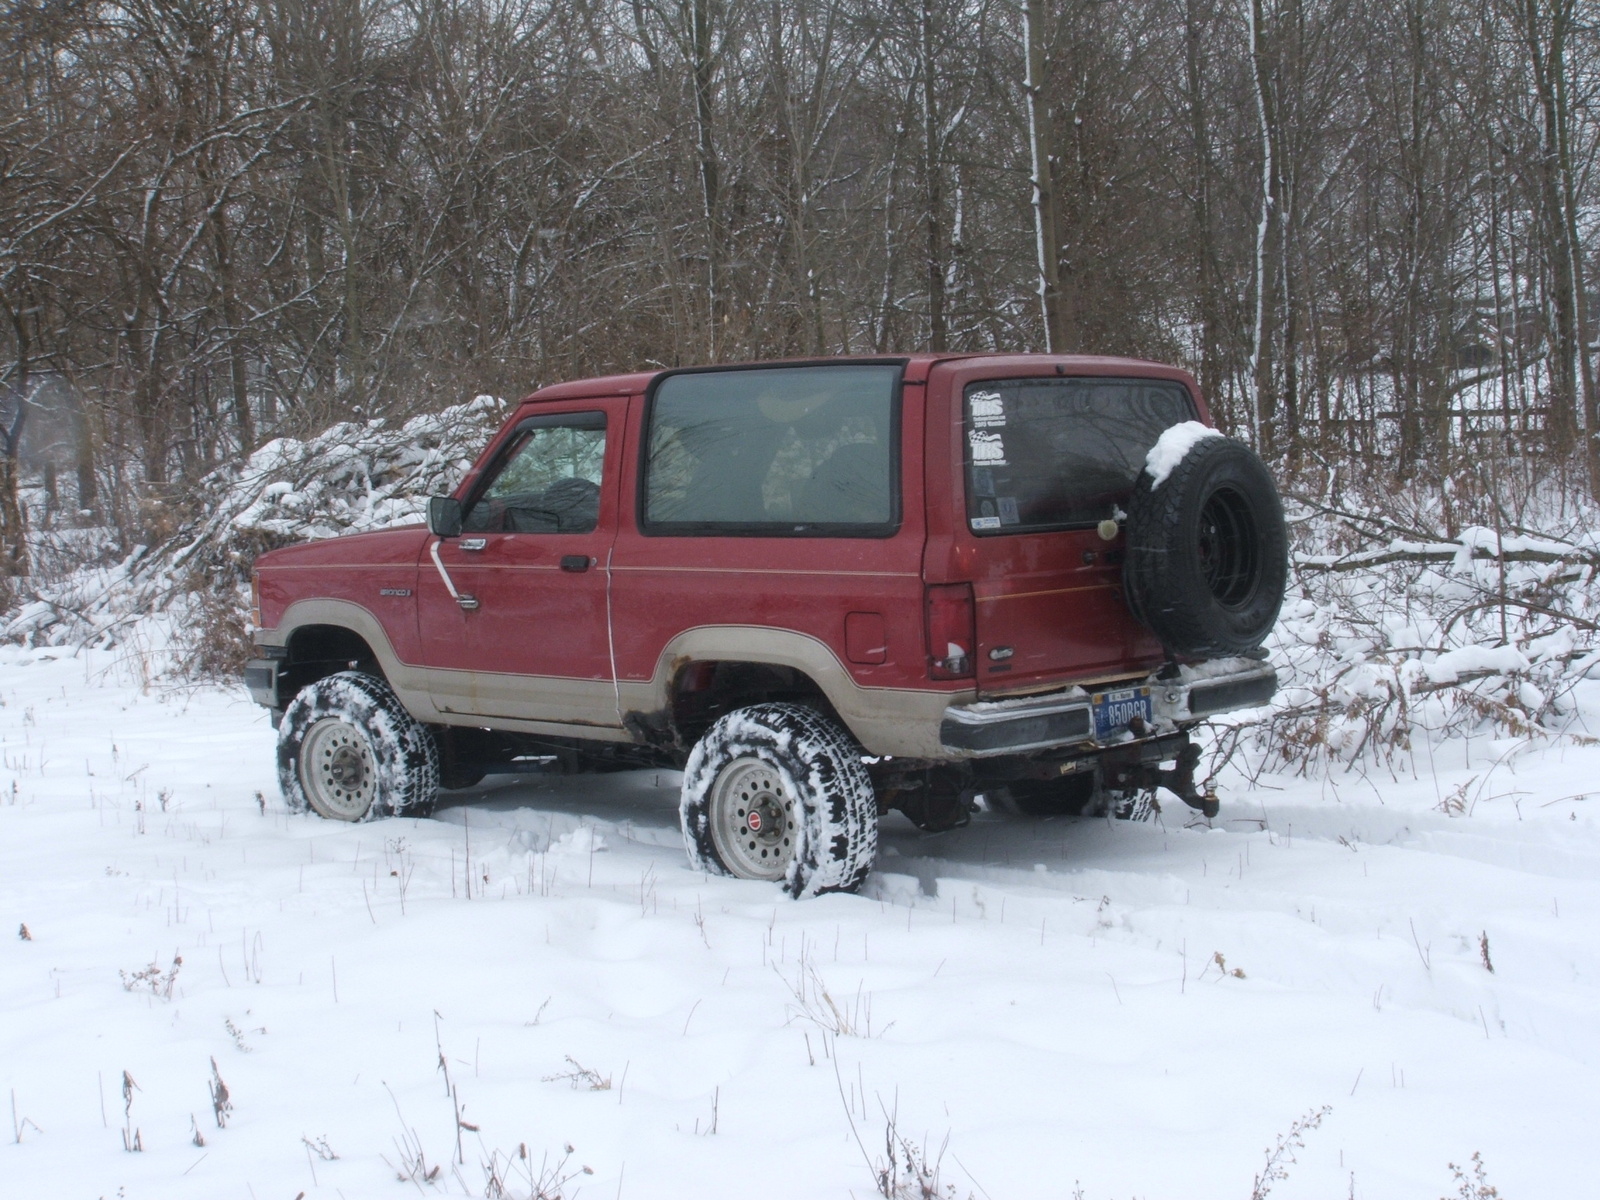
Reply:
x=899, y=721
x=409, y=682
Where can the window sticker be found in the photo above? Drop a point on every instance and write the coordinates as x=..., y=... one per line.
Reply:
x=1056, y=452
x=987, y=448
x=986, y=522
x=988, y=411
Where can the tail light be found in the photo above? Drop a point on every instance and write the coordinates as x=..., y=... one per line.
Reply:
x=951, y=639
x=255, y=600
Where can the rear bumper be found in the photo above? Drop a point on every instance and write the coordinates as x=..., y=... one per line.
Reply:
x=979, y=730
x=1064, y=719
x=1227, y=686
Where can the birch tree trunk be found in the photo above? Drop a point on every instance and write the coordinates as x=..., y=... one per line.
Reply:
x=932, y=179
x=703, y=69
x=1262, y=398
x=1205, y=273
x=1040, y=139
x=1546, y=25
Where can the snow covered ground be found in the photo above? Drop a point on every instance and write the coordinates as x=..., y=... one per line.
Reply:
x=1060, y=1007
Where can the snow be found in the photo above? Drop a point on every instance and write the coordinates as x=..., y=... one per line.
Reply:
x=1172, y=447
x=1069, y=1006
x=351, y=477
x=1057, y=998
x=1469, y=660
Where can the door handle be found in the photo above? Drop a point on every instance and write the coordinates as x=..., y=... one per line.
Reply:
x=473, y=543
x=575, y=562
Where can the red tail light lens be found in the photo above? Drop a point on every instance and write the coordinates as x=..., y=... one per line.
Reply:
x=951, y=641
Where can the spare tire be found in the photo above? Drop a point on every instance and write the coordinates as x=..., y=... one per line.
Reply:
x=1207, y=551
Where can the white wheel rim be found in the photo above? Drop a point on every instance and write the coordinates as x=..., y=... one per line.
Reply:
x=753, y=820
x=337, y=769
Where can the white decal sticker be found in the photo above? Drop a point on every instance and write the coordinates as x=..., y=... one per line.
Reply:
x=986, y=522
x=987, y=448
x=987, y=409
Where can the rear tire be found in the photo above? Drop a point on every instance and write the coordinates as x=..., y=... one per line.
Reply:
x=1074, y=796
x=779, y=792
x=348, y=750
x=1070, y=796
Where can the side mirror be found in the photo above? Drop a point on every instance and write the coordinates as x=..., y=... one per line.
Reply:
x=444, y=516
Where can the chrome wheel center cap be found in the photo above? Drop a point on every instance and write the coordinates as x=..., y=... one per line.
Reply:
x=345, y=768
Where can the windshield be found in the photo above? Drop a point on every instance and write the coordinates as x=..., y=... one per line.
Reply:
x=1057, y=452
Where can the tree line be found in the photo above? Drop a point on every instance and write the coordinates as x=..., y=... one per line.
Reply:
x=1369, y=228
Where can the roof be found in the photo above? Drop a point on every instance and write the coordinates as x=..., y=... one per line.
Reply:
x=917, y=366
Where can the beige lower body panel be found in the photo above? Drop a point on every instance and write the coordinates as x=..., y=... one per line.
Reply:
x=591, y=733
x=547, y=698
x=903, y=722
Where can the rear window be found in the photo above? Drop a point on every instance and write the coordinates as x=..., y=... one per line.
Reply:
x=1060, y=452
x=781, y=451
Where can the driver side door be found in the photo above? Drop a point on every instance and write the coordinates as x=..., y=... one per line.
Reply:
x=525, y=634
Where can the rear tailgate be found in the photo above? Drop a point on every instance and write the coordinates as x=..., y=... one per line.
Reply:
x=1040, y=452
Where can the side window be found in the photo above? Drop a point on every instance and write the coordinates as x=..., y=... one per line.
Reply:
x=547, y=479
x=780, y=451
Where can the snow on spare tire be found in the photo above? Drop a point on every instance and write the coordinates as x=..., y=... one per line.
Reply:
x=804, y=775
x=1207, y=552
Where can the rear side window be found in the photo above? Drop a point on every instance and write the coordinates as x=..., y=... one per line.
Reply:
x=780, y=451
x=1060, y=452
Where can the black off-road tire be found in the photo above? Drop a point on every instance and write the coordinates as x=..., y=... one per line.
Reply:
x=1208, y=553
x=802, y=777
x=459, y=778
x=348, y=750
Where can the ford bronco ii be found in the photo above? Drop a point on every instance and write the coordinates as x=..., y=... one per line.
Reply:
x=823, y=589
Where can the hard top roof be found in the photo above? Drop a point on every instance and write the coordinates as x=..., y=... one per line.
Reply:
x=917, y=366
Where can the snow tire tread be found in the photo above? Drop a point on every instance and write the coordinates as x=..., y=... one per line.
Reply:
x=404, y=753
x=821, y=762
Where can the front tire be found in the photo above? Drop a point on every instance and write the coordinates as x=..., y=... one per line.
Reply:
x=778, y=792
x=348, y=750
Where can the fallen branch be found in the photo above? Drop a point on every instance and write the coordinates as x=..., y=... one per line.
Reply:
x=1439, y=552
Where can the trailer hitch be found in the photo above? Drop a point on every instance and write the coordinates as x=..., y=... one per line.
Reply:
x=1179, y=780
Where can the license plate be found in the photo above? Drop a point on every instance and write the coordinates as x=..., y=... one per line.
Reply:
x=1114, y=710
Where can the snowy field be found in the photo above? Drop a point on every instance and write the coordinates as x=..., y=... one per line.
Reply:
x=1055, y=1008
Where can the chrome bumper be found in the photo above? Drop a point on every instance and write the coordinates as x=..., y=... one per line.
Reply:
x=1065, y=718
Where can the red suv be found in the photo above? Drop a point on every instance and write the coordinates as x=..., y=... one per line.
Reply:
x=823, y=589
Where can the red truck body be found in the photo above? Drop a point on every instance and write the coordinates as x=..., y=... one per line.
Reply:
x=1050, y=596
x=937, y=633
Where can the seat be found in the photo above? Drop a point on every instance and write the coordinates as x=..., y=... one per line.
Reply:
x=849, y=487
